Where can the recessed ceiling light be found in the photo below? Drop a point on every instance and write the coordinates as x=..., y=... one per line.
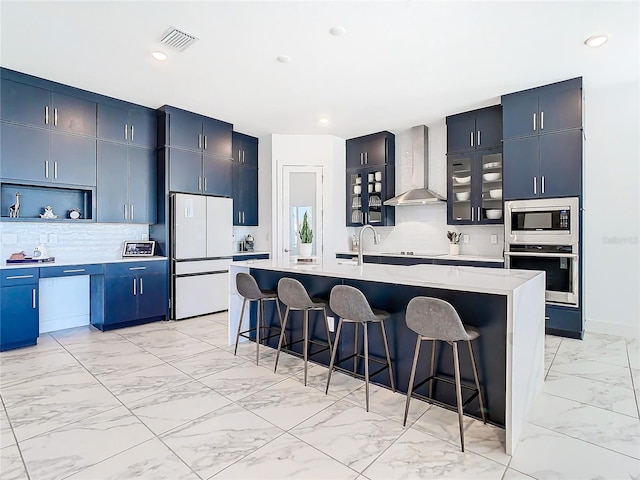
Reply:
x=323, y=120
x=158, y=55
x=596, y=40
x=337, y=31
x=283, y=58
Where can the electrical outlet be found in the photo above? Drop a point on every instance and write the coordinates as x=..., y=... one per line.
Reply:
x=465, y=238
x=43, y=238
x=494, y=238
x=53, y=238
x=332, y=324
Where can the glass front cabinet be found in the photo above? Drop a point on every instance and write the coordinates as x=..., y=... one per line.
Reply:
x=475, y=187
x=367, y=189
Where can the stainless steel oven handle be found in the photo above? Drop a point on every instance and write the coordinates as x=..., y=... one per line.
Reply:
x=541, y=254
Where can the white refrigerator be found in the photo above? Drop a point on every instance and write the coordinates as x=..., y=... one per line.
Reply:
x=201, y=251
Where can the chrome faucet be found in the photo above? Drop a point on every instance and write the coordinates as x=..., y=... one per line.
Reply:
x=376, y=240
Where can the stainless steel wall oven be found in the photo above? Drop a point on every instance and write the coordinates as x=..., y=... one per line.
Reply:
x=543, y=234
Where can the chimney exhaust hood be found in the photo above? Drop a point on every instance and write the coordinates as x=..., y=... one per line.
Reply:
x=420, y=155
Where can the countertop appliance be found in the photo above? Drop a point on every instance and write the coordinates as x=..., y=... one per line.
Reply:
x=544, y=234
x=201, y=253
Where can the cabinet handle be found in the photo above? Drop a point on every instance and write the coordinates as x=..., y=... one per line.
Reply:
x=478, y=142
x=33, y=298
x=205, y=142
x=205, y=184
x=534, y=122
x=137, y=268
x=199, y=183
x=199, y=140
x=55, y=117
x=141, y=287
x=13, y=277
x=542, y=184
x=239, y=156
x=535, y=185
x=75, y=270
x=239, y=221
x=125, y=212
x=46, y=169
x=132, y=211
x=55, y=169
x=132, y=131
x=479, y=214
x=46, y=114
x=542, y=122
x=472, y=214
x=366, y=158
x=471, y=139
x=126, y=131
x=134, y=286
x=243, y=217
x=243, y=152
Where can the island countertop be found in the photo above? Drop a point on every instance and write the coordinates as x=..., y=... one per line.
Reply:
x=468, y=279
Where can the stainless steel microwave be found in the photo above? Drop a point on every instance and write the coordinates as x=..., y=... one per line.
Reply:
x=546, y=220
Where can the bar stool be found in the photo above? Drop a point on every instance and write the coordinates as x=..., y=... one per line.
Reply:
x=293, y=294
x=436, y=320
x=351, y=306
x=248, y=288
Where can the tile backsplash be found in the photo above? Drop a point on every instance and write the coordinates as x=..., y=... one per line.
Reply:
x=73, y=241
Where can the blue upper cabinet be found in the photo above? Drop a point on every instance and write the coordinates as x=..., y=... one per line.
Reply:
x=216, y=176
x=369, y=150
x=131, y=126
x=477, y=129
x=245, y=179
x=543, y=141
x=541, y=110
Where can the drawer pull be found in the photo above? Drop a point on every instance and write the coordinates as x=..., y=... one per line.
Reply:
x=137, y=268
x=75, y=270
x=13, y=277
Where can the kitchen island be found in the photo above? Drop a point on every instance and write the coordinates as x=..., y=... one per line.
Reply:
x=507, y=306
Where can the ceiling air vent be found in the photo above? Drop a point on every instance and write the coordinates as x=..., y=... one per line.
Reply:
x=177, y=39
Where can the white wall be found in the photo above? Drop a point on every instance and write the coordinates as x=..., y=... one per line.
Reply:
x=612, y=209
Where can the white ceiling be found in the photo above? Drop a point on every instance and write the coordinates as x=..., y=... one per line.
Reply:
x=401, y=63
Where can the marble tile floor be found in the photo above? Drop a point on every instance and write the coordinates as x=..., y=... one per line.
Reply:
x=169, y=400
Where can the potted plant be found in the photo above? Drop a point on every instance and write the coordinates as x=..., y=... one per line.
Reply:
x=306, y=237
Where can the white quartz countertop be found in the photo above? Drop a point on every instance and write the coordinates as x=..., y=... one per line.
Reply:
x=80, y=262
x=468, y=279
x=439, y=256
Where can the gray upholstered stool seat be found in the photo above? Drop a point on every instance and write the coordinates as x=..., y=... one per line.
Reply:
x=293, y=294
x=248, y=288
x=436, y=320
x=352, y=306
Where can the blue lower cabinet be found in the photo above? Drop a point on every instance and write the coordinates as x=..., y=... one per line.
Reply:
x=564, y=321
x=259, y=256
x=153, y=299
x=19, y=325
x=120, y=301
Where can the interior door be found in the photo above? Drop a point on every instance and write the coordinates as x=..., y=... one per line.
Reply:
x=301, y=193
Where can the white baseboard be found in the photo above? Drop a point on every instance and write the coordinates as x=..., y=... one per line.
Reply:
x=598, y=326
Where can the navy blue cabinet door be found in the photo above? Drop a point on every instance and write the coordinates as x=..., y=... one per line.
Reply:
x=185, y=130
x=24, y=153
x=185, y=171
x=73, y=115
x=18, y=316
x=375, y=150
x=74, y=159
x=489, y=127
x=561, y=164
x=113, y=123
x=25, y=104
x=152, y=295
x=217, y=176
x=250, y=158
x=354, y=151
x=560, y=110
x=519, y=115
x=120, y=301
x=142, y=185
x=245, y=195
x=520, y=168
x=460, y=133
x=112, y=202
x=143, y=128
x=217, y=139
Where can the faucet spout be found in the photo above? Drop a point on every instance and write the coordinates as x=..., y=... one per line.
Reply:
x=376, y=240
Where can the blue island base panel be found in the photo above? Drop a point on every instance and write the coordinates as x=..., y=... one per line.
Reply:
x=485, y=311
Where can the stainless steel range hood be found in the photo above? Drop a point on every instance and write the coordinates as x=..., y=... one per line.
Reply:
x=420, y=156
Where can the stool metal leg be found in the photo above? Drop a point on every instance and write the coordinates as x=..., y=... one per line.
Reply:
x=456, y=365
x=386, y=351
x=366, y=363
x=244, y=302
x=356, y=350
x=282, y=332
x=475, y=377
x=259, y=323
x=306, y=344
x=411, y=380
x=326, y=324
x=432, y=371
x=333, y=354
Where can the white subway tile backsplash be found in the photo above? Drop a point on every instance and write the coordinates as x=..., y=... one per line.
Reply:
x=71, y=241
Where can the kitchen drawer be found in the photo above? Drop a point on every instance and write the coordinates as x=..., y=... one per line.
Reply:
x=69, y=270
x=132, y=268
x=18, y=276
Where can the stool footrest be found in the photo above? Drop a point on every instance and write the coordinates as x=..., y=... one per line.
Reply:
x=371, y=359
x=445, y=380
x=285, y=347
x=244, y=333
